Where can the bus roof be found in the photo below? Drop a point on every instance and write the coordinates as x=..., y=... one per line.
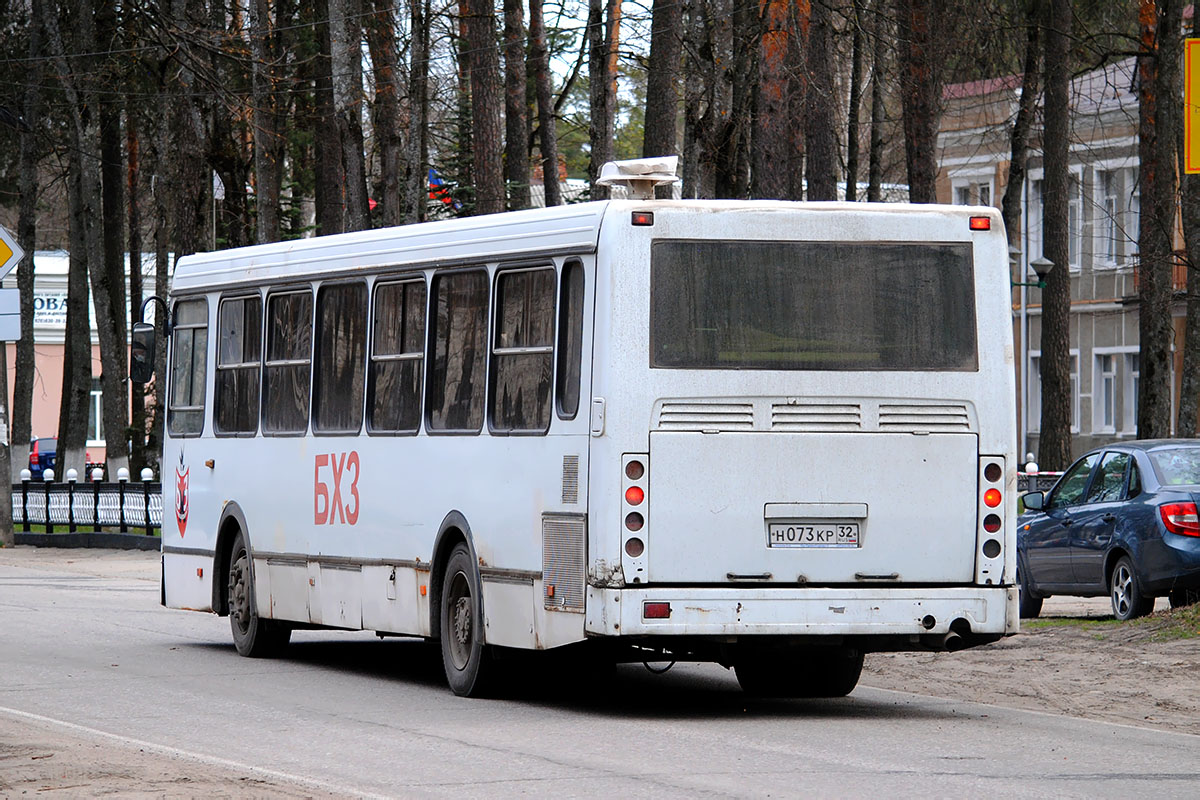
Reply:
x=561, y=230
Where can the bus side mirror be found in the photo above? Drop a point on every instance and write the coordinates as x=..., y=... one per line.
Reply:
x=1034, y=501
x=141, y=352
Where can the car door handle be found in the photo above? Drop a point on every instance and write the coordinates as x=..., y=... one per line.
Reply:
x=1109, y=517
x=1066, y=523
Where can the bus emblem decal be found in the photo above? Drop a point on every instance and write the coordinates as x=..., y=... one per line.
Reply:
x=330, y=504
x=181, y=495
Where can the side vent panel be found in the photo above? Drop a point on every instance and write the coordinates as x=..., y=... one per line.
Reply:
x=564, y=539
x=816, y=417
x=675, y=416
x=570, y=480
x=934, y=418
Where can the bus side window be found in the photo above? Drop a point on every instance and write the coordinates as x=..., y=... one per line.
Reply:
x=286, y=370
x=239, y=340
x=397, y=358
x=458, y=350
x=570, y=340
x=341, y=349
x=189, y=354
x=522, y=351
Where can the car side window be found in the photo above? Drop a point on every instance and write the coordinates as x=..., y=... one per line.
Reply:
x=1109, y=483
x=1070, y=489
x=1135, y=481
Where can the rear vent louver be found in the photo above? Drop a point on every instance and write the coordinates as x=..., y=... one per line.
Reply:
x=570, y=480
x=706, y=416
x=816, y=417
x=563, y=542
x=904, y=417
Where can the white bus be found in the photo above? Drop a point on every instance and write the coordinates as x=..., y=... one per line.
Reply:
x=771, y=435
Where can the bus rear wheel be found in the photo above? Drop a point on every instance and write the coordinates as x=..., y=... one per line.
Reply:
x=817, y=672
x=253, y=636
x=465, y=658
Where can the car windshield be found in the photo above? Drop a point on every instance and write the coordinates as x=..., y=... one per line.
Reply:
x=1177, y=466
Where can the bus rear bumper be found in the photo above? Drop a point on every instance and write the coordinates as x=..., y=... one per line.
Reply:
x=857, y=612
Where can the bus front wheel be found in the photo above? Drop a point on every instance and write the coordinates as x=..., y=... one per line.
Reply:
x=465, y=658
x=818, y=672
x=253, y=636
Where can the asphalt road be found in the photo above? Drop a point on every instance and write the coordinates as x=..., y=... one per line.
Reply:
x=87, y=654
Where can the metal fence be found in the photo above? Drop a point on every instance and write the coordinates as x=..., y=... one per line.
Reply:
x=1036, y=481
x=70, y=506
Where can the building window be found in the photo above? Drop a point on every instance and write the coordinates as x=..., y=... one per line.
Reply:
x=287, y=368
x=522, y=350
x=1133, y=219
x=1105, y=394
x=1131, y=387
x=397, y=358
x=458, y=352
x=1107, y=225
x=1034, y=417
x=95, y=429
x=1074, y=219
x=189, y=355
x=239, y=350
x=973, y=193
x=340, y=358
x=1036, y=206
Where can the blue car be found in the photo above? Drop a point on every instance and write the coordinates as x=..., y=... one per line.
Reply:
x=1122, y=522
x=43, y=454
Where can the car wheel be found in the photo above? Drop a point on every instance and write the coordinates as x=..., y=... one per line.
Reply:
x=253, y=636
x=1128, y=601
x=1183, y=597
x=1030, y=604
x=467, y=661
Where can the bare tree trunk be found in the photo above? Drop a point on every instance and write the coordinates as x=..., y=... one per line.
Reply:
x=662, y=77
x=797, y=97
x=878, y=64
x=733, y=163
x=345, y=49
x=820, y=141
x=600, y=127
x=516, y=112
x=22, y=404
x=1054, y=444
x=330, y=173
x=137, y=400
x=269, y=143
x=1026, y=107
x=108, y=278
x=856, y=69
x=772, y=135
x=86, y=236
x=539, y=56
x=1158, y=73
x=417, y=154
x=385, y=111
x=920, y=94
x=486, y=128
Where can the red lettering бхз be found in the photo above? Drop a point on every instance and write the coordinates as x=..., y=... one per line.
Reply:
x=320, y=515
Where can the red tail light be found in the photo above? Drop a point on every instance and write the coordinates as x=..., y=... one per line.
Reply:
x=981, y=223
x=992, y=498
x=1181, y=518
x=33, y=454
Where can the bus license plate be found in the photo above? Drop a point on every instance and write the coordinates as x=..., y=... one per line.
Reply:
x=812, y=534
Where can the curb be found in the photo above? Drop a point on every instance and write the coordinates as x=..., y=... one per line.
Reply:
x=112, y=541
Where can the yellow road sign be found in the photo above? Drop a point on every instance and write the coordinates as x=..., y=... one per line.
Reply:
x=10, y=252
x=1191, y=106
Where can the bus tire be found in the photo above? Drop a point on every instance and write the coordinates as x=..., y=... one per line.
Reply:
x=466, y=659
x=819, y=672
x=253, y=636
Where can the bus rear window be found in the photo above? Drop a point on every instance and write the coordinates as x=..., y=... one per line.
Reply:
x=843, y=306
